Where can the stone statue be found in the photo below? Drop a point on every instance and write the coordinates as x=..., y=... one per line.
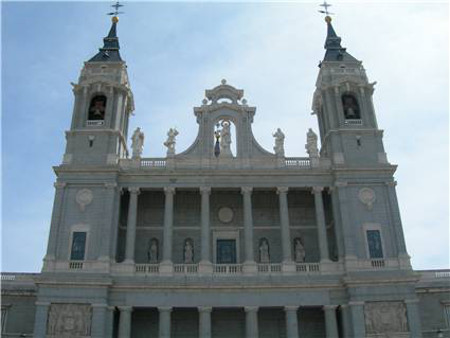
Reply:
x=69, y=320
x=137, y=143
x=385, y=317
x=152, y=253
x=300, y=252
x=188, y=253
x=264, y=256
x=311, y=144
x=279, y=142
x=225, y=140
x=171, y=142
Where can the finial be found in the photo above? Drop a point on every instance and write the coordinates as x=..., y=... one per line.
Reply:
x=325, y=5
x=116, y=6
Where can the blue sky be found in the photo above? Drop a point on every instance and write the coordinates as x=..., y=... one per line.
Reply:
x=176, y=50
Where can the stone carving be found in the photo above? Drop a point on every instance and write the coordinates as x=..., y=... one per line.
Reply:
x=311, y=144
x=171, y=141
x=264, y=256
x=279, y=142
x=225, y=215
x=83, y=198
x=152, y=252
x=299, y=251
x=137, y=143
x=385, y=317
x=69, y=321
x=188, y=252
x=368, y=197
x=225, y=140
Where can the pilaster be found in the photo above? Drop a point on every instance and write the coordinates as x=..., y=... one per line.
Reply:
x=251, y=322
x=413, y=314
x=40, y=319
x=330, y=321
x=205, y=321
x=164, y=322
x=98, y=320
x=291, y=321
x=125, y=321
x=131, y=225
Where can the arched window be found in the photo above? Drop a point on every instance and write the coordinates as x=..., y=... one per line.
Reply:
x=97, y=108
x=351, y=107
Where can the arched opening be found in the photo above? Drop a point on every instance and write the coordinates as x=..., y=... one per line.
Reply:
x=351, y=107
x=97, y=108
x=224, y=138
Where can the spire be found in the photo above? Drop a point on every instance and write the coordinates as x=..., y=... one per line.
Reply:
x=110, y=50
x=334, y=50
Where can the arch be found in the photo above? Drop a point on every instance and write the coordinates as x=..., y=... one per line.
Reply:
x=264, y=250
x=350, y=106
x=97, y=108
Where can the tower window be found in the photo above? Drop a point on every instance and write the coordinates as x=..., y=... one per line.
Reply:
x=374, y=243
x=351, y=107
x=78, y=246
x=97, y=108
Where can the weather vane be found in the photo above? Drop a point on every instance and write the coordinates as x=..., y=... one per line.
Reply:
x=116, y=6
x=325, y=6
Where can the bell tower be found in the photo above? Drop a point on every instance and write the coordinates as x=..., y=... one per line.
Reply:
x=103, y=104
x=343, y=104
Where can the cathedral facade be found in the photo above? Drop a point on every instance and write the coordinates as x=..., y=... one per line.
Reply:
x=226, y=238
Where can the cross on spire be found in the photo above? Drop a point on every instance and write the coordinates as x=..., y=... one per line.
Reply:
x=116, y=6
x=325, y=6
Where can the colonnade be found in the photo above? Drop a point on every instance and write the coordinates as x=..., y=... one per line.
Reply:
x=205, y=192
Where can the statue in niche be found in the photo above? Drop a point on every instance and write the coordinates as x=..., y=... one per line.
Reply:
x=152, y=252
x=137, y=143
x=69, y=320
x=97, y=108
x=171, y=142
x=188, y=252
x=279, y=142
x=264, y=256
x=311, y=144
x=225, y=140
x=350, y=106
x=385, y=317
x=299, y=251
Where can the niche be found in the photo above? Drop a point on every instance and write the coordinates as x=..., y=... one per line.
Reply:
x=97, y=108
x=351, y=107
x=224, y=139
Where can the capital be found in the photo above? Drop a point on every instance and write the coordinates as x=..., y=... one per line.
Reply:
x=165, y=309
x=291, y=308
x=125, y=308
x=356, y=303
x=206, y=309
x=205, y=190
x=251, y=308
x=340, y=184
x=282, y=190
x=329, y=307
x=317, y=190
x=102, y=305
x=42, y=303
x=246, y=190
x=59, y=185
x=411, y=301
x=111, y=185
x=169, y=190
x=134, y=190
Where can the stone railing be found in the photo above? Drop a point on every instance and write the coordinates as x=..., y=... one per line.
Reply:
x=269, y=268
x=298, y=162
x=153, y=162
x=147, y=268
x=435, y=274
x=307, y=267
x=76, y=265
x=354, y=122
x=185, y=268
x=95, y=123
x=227, y=269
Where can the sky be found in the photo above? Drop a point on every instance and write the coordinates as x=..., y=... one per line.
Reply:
x=176, y=50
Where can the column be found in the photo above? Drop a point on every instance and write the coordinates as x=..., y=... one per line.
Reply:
x=321, y=226
x=105, y=234
x=98, y=320
x=164, y=322
x=284, y=223
x=396, y=220
x=330, y=321
x=205, y=321
x=291, y=321
x=109, y=322
x=125, y=321
x=358, y=322
x=346, y=320
x=131, y=225
x=56, y=219
x=248, y=226
x=412, y=312
x=40, y=319
x=168, y=225
x=205, y=233
x=251, y=322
